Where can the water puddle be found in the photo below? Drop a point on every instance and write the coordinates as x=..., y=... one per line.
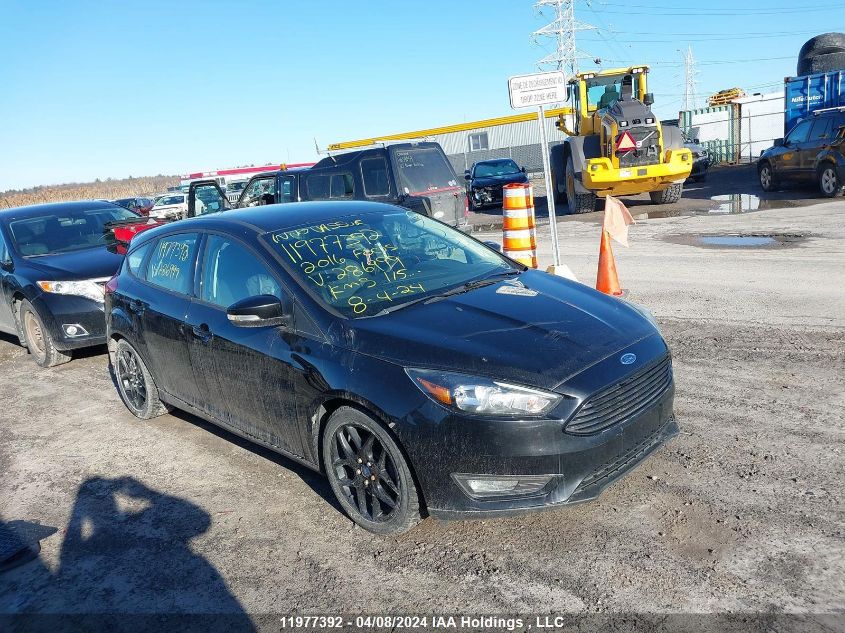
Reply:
x=729, y=204
x=738, y=241
x=733, y=241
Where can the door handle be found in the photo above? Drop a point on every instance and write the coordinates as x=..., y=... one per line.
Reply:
x=202, y=332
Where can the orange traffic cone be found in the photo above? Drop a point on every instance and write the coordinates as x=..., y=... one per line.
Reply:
x=607, y=280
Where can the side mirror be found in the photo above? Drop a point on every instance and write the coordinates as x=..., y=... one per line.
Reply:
x=648, y=99
x=494, y=245
x=779, y=142
x=523, y=170
x=696, y=141
x=466, y=175
x=7, y=265
x=260, y=311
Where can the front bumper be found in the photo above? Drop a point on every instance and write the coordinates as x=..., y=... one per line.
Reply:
x=58, y=311
x=579, y=467
x=700, y=167
x=600, y=176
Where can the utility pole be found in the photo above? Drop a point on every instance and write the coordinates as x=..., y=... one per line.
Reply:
x=562, y=29
x=689, y=79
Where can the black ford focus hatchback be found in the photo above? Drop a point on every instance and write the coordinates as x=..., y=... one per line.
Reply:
x=419, y=369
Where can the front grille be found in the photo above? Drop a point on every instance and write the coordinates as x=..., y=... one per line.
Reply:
x=621, y=462
x=648, y=150
x=624, y=400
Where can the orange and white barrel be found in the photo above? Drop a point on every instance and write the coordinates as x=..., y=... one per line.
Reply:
x=519, y=240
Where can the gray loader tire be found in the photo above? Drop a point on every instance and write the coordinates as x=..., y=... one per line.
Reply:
x=822, y=53
x=577, y=202
x=669, y=195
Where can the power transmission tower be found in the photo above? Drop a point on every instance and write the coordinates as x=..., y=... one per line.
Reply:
x=562, y=29
x=690, y=81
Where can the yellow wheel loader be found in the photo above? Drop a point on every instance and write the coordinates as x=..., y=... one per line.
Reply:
x=617, y=146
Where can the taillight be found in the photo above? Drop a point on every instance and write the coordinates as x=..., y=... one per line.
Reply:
x=111, y=286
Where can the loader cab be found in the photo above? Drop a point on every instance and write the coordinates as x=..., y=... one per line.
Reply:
x=593, y=94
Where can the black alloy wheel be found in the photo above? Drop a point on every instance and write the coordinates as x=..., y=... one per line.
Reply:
x=369, y=474
x=135, y=384
x=130, y=379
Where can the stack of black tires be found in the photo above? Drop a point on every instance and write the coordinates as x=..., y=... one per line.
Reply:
x=821, y=54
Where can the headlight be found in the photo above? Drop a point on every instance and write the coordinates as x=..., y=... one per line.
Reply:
x=88, y=288
x=482, y=396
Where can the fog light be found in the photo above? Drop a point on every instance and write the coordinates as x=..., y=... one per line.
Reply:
x=74, y=329
x=487, y=486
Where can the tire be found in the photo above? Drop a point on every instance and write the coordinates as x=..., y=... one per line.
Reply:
x=815, y=55
x=766, y=175
x=135, y=384
x=670, y=195
x=830, y=184
x=38, y=339
x=823, y=64
x=577, y=202
x=357, y=449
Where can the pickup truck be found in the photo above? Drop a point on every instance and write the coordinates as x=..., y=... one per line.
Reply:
x=417, y=176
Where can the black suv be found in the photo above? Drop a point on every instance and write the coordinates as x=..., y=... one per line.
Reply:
x=813, y=151
x=487, y=177
x=417, y=176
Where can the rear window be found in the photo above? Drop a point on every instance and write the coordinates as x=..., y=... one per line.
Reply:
x=166, y=200
x=171, y=264
x=423, y=170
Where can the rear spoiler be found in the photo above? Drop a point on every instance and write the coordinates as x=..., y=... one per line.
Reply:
x=119, y=233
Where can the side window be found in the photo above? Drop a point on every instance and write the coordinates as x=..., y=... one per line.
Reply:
x=288, y=189
x=821, y=129
x=799, y=132
x=342, y=186
x=317, y=186
x=374, y=175
x=171, y=263
x=135, y=258
x=478, y=141
x=259, y=192
x=231, y=272
x=208, y=199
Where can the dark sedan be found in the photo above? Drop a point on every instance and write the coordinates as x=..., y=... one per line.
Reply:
x=419, y=369
x=54, y=262
x=487, y=177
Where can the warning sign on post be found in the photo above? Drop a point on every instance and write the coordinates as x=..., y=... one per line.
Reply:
x=531, y=91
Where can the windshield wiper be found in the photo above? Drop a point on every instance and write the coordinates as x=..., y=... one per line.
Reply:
x=457, y=290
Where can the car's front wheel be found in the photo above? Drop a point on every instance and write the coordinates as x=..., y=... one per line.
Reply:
x=38, y=339
x=368, y=473
x=829, y=183
x=767, y=178
x=135, y=383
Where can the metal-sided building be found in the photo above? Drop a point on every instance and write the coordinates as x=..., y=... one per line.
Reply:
x=516, y=136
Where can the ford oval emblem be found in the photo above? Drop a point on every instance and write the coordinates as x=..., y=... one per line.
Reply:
x=628, y=359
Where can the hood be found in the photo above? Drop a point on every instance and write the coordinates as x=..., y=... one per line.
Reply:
x=89, y=263
x=506, y=179
x=539, y=340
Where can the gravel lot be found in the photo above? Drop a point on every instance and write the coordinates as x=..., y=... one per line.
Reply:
x=742, y=513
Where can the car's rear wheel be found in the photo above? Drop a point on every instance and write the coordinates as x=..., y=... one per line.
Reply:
x=829, y=183
x=135, y=383
x=767, y=178
x=368, y=473
x=38, y=339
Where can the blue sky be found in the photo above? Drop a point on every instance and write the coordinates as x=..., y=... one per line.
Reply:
x=111, y=89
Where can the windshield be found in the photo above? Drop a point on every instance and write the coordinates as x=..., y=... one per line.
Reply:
x=166, y=200
x=64, y=232
x=363, y=264
x=603, y=92
x=423, y=170
x=496, y=168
